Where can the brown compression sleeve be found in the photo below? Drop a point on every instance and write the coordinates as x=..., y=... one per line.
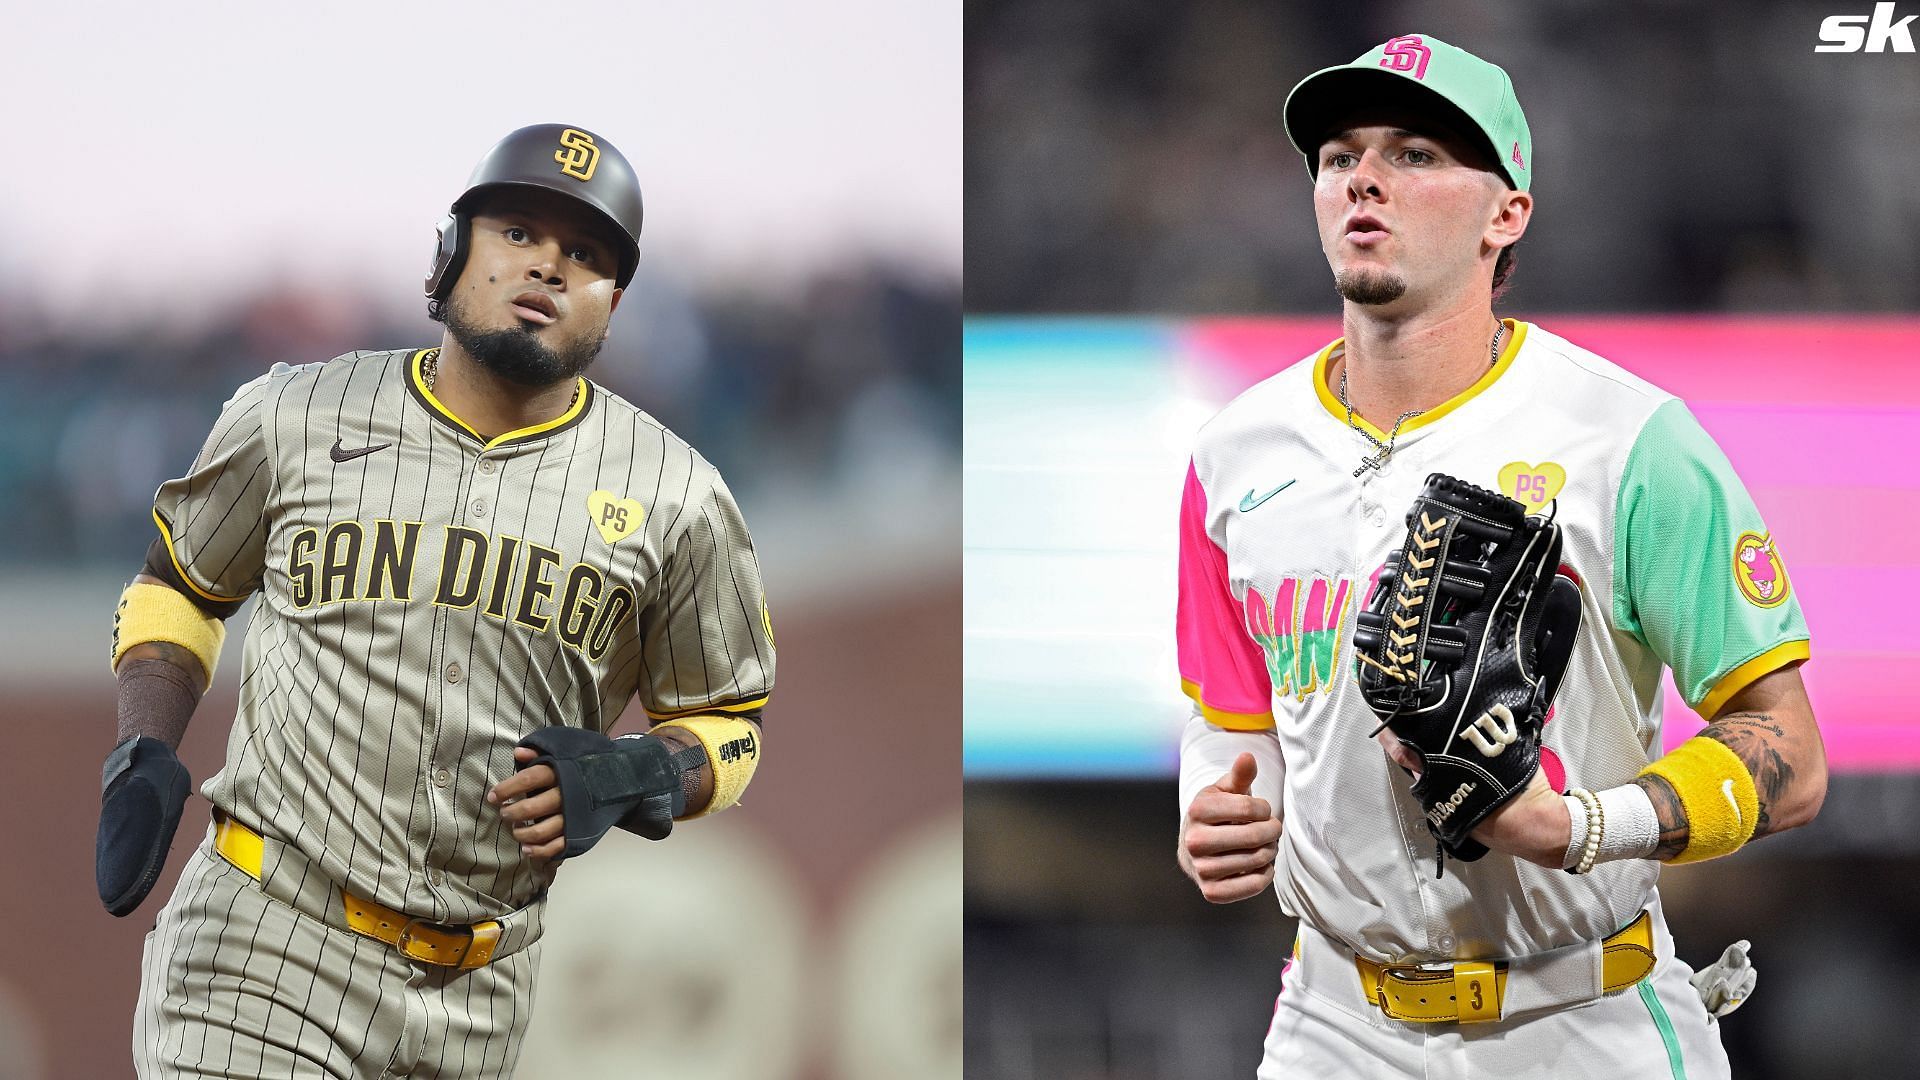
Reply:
x=696, y=775
x=156, y=699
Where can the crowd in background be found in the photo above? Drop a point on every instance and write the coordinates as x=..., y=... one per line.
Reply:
x=1128, y=156
x=845, y=381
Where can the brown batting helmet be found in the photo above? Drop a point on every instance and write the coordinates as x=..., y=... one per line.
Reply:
x=554, y=157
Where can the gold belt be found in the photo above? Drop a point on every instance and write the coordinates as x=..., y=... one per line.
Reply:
x=448, y=945
x=1472, y=991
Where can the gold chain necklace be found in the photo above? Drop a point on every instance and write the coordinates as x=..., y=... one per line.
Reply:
x=1386, y=448
x=430, y=370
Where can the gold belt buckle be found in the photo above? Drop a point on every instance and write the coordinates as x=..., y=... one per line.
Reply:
x=444, y=944
x=1405, y=973
x=1465, y=991
x=429, y=946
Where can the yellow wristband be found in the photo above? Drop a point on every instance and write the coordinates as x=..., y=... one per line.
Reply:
x=149, y=612
x=1716, y=791
x=733, y=752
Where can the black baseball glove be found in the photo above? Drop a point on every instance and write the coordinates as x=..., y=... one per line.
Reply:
x=143, y=789
x=1461, y=648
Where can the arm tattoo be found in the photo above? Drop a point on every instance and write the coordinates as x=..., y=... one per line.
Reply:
x=1756, y=738
x=1674, y=831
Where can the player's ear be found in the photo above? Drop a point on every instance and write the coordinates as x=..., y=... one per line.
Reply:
x=614, y=304
x=1512, y=210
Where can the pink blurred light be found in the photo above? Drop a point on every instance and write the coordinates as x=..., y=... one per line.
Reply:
x=1820, y=415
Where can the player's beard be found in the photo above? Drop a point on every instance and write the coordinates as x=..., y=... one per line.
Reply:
x=1370, y=287
x=517, y=354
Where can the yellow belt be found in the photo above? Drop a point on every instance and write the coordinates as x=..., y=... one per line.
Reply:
x=447, y=945
x=1471, y=991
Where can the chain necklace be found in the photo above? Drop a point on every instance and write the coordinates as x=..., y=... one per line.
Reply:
x=1375, y=461
x=430, y=370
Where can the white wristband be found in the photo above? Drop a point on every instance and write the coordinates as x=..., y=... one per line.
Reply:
x=1633, y=829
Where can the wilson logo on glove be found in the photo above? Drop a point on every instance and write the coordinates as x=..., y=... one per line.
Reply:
x=1444, y=809
x=1493, y=731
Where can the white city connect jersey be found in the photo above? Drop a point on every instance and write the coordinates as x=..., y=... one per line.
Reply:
x=1281, y=543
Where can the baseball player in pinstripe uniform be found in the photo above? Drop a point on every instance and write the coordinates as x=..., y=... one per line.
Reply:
x=1508, y=965
x=468, y=559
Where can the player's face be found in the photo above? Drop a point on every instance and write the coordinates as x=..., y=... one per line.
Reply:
x=534, y=299
x=1408, y=211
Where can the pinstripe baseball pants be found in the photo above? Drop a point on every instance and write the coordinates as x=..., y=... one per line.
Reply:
x=235, y=983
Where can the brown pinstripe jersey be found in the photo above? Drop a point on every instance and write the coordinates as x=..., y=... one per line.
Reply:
x=428, y=598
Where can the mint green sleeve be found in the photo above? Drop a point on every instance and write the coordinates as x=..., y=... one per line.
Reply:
x=1683, y=526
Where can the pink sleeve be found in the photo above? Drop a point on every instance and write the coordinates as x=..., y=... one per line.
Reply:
x=1221, y=667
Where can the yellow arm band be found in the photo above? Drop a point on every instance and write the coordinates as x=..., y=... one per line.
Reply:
x=150, y=612
x=733, y=752
x=1717, y=792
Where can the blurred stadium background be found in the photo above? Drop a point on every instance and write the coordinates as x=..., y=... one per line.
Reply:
x=198, y=191
x=1718, y=208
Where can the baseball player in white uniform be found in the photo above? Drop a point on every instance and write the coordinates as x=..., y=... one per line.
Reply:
x=1549, y=956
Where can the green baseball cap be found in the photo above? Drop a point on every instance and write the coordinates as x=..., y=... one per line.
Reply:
x=1423, y=72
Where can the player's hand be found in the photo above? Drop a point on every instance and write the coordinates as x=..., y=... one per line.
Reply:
x=529, y=803
x=1399, y=752
x=1534, y=826
x=1230, y=838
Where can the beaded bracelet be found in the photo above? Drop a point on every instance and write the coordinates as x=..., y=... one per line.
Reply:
x=1596, y=826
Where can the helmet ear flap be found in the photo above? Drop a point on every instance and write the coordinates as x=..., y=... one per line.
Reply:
x=449, y=256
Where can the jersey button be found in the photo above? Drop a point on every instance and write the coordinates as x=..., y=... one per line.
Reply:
x=1445, y=943
x=479, y=508
x=442, y=777
x=453, y=673
x=487, y=466
x=433, y=877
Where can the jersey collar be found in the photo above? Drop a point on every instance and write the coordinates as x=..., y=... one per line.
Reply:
x=425, y=397
x=1516, y=333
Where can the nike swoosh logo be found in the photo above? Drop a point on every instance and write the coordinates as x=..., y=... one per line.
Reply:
x=1726, y=788
x=339, y=455
x=1248, y=502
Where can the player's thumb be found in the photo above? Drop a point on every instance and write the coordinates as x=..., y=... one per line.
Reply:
x=1239, y=778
